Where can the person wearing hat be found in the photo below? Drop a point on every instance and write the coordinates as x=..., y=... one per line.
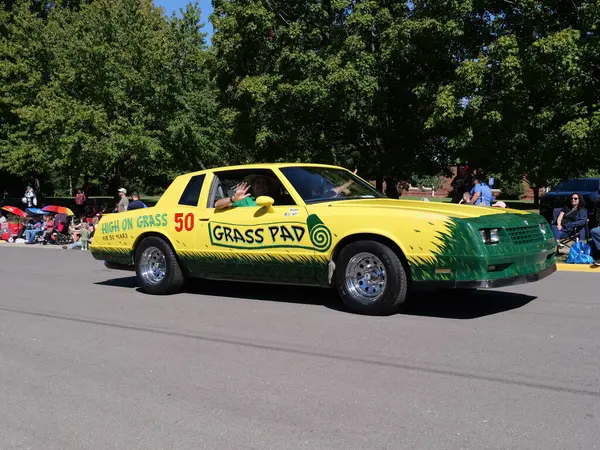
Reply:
x=257, y=185
x=124, y=201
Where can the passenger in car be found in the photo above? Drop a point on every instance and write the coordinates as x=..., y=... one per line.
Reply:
x=246, y=192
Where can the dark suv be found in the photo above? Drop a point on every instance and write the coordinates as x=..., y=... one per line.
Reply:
x=560, y=196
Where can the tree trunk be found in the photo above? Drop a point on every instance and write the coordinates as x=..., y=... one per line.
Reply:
x=391, y=189
x=536, y=196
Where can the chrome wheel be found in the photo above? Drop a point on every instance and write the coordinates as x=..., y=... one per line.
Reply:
x=153, y=265
x=365, y=277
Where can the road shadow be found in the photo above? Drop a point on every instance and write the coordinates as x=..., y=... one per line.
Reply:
x=450, y=304
x=123, y=282
x=446, y=304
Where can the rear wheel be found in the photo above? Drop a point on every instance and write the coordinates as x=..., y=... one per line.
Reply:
x=157, y=269
x=370, y=278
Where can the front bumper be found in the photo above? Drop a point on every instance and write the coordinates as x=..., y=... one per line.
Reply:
x=510, y=281
x=486, y=283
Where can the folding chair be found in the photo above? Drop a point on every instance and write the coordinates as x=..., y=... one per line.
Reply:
x=579, y=232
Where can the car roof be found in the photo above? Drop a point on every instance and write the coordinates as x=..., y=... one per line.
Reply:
x=261, y=166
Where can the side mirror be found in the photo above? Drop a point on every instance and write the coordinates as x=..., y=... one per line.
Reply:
x=265, y=202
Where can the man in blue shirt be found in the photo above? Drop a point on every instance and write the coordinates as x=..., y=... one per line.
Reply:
x=481, y=194
x=136, y=203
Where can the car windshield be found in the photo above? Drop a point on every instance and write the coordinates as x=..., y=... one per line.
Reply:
x=577, y=186
x=319, y=184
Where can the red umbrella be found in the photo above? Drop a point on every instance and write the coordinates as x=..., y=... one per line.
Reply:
x=16, y=211
x=58, y=210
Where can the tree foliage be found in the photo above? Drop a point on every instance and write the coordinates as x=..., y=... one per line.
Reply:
x=109, y=90
x=346, y=82
x=527, y=104
x=116, y=91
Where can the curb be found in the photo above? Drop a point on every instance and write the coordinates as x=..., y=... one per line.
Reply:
x=577, y=268
x=15, y=245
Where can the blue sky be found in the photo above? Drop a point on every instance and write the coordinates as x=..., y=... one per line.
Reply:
x=175, y=5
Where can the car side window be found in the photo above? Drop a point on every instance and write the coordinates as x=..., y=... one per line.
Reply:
x=226, y=182
x=191, y=193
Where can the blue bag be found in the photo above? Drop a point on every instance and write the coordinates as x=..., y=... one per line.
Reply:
x=580, y=253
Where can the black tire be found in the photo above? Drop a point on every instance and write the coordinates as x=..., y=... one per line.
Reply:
x=396, y=282
x=173, y=279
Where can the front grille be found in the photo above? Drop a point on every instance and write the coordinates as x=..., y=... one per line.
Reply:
x=525, y=235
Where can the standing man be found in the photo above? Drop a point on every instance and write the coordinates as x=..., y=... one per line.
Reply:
x=30, y=198
x=461, y=184
x=124, y=201
x=136, y=203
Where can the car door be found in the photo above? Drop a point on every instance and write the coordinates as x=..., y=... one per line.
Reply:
x=255, y=243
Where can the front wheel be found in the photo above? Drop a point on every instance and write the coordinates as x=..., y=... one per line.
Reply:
x=370, y=278
x=156, y=266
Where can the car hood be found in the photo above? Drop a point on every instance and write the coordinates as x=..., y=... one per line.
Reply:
x=446, y=209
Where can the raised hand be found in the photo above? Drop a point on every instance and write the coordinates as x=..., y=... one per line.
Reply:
x=241, y=192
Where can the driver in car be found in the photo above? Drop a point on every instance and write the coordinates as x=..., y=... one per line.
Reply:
x=257, y=185
x=324, y=189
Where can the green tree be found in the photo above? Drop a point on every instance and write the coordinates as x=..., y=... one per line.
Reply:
x=25, y=61
x=527, y=105
x=112, y=92
x=346, y=82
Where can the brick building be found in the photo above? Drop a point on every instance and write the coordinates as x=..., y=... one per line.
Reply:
x=417, y=191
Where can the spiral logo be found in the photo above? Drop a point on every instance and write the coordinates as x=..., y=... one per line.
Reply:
x=320, y=236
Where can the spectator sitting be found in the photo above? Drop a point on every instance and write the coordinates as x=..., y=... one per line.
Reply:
x=81, y=243
x=481, y=194
x=48, y=226
x=570, y=217
x=75, y=230
x=136, y=203
x=34, y=230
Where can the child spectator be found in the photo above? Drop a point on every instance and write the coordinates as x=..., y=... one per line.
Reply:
x=48, y=226
x=85, y=237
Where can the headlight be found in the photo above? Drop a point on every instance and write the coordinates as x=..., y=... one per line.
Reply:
x=543, y=228
x=490, y=236
x=494, y=235
x=483, y=234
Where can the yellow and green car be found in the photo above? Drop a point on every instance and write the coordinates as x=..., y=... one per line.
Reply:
x=319, y=225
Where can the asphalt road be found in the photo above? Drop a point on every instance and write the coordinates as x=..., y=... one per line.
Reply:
x=89, y=362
